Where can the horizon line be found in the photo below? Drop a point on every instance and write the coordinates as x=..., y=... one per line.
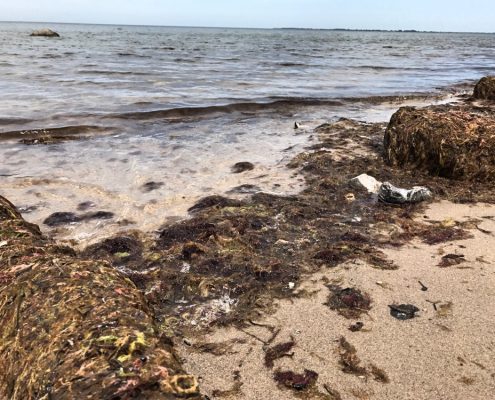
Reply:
x=252, y=28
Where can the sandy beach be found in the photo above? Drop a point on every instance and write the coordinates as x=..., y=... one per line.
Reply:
x=331, y=237
x=446, y=352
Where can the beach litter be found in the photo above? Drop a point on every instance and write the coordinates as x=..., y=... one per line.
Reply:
x=388, y=193
x=403, y=311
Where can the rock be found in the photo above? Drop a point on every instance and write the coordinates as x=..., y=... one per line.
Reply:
x=453, y=144
x=64, y=218
x=366, y=182
x=61, y=218
x=85, y=205
x=150, y=186
x=388, y=193
x=245, y=189
x=485, y=88
x=242, y=167
x=45, y=33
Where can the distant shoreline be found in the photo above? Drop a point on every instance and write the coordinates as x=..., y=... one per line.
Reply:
x=255, y=28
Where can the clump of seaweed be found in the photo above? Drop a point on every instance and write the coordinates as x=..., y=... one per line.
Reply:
x=451, y=259
x=455, y=144
x=351, y=364
x=278, y=351
x=349, y=360
x=349, y=302
x=296, y=381
x=76, y=328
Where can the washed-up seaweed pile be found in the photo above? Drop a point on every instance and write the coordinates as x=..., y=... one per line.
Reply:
x=84, y=323
x=485, y=88
x=74, y=329
x=229, y=262
x=456, y=144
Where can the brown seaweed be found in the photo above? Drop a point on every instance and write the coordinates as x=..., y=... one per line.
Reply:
x=74, y=328
x=349, y=302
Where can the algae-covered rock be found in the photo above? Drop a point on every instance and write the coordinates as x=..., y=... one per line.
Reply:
x=76, y=329
x=453, y=144
x=485, y=88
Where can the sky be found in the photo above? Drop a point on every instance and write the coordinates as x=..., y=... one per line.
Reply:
x=436, y=15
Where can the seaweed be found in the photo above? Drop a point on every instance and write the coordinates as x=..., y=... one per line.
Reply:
x=83, y=329
x=451, y=259
x=349, y=302
x=296, y=381
x=350, y=362
x=456, y=143
x=278, y=351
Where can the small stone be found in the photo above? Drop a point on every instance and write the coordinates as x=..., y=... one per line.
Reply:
x=242, y=166
x=366, y=182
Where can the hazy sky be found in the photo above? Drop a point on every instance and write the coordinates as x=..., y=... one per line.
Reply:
x=441, y=15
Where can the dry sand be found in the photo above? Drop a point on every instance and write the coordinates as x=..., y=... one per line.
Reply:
x=446, y=354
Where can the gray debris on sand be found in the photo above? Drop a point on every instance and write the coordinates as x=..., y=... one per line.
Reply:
x=388, y=193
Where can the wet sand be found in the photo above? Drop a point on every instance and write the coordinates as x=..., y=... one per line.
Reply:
x=444, y=353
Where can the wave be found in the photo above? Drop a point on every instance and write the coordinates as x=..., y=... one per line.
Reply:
x=14, y=121
x=272, y=104
x=105, y=72
x=62, y=131
x=242, y=107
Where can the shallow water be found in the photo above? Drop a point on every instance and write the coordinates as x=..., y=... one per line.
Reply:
x=180, y=106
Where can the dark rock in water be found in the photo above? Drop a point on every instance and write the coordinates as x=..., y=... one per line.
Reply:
x=85, y=205
x=242, y=167
x=452, y=144
x=245, y=189
x=61, y=218
x=403, y=311
x=485, y=88
x=214, y=201
x=97, y=215
x=45, y=33
x=150, y=186
x=64, y=218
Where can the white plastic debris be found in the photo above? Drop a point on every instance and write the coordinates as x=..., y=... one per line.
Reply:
x=367, y=182
x=185, y=268
x=388, y=193
x=291, y=285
